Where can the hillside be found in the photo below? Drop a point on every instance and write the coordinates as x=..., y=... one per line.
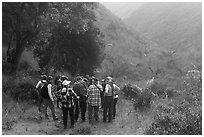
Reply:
x=173, y=26
x=122, y=9
x=129, y=47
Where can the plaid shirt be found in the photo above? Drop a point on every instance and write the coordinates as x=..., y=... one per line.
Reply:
x=94, y=98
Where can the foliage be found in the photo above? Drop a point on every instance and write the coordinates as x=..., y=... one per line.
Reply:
x=24, y=92
x=141, y=97
x=21, y=22
x=71, y=42
x=182, y=114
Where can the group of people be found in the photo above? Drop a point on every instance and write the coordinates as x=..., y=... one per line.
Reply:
x=77, y=96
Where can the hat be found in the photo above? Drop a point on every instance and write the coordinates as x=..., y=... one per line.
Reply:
x=64, y=77
x=85, y=79
x=66, y=82
x=109, y=78
x=50, y=78
x=78, y=78
x=103, y=80
x=43, y=76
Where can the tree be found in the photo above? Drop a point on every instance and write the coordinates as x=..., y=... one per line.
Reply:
x=71, y=42
x=21, y=21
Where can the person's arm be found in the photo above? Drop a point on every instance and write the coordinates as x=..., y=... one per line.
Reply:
x=38, y=85
x=117, y=89
x=49, y=86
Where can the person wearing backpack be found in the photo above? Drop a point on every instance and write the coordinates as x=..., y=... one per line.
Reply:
x=48, y=99
x=39, y=88
x=67, y=96
x=108, y=100
x=94, y=101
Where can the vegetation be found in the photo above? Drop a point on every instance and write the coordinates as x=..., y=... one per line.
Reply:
x=177, y=113
x=61, y=34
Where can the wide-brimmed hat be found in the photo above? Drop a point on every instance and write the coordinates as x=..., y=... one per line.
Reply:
x=109, y=78
x=66, y=82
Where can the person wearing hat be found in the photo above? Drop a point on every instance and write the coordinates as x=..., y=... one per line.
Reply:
x=66, y=98
x=108, y=100
x=48, y=99
x=94, y=100
x=39, y=88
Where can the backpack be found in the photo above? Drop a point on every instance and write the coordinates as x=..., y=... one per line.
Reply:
x=66, y=98
x=44, y=91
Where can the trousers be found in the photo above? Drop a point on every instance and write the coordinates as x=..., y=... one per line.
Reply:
x=108, y=108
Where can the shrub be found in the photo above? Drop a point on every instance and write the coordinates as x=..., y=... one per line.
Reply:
x=180, y=122
x=183, y=114
x=141, y=98
x=24, y=92
x=143, y=102
x=131, y=92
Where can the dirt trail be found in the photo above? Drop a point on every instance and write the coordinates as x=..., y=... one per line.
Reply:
x=127, y=122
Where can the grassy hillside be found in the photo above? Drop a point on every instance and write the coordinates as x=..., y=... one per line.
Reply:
x=173, y=26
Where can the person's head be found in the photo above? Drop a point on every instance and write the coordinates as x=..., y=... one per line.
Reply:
x=94, y=80
x=49, y=79
x=78, y=79
x=85, y=80
x=64, y=77
x=109, y=79
x=103, y=81
x=66, y=83
x=43, y=77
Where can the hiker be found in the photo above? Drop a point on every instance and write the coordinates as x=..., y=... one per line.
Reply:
x=39, y=88
x=116, y=89
x=66, y=98
x=78, y=88
x=94, y=101
x=48, y=99
x=103, y=84
x=58, y=84
x=83, y=99
x=108, y=100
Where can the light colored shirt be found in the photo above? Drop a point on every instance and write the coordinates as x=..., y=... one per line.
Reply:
x=116, y=90
x=49, y=86
x=108, y=90
x=40, y=84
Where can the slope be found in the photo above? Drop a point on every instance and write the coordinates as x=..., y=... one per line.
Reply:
x=176, y=27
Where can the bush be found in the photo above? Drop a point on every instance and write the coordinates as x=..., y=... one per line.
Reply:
x=180, y=122
x=183, y=114
x=131, y=92
x=24, y=92
x=141, y=97
x=143, y=102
